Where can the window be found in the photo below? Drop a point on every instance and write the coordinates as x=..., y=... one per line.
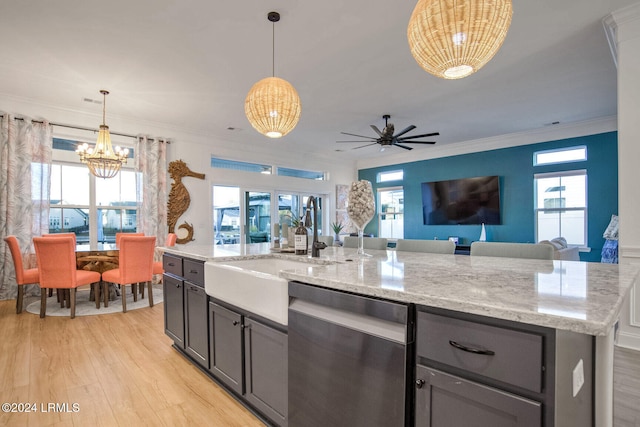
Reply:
x=299, y=173
x=390, y=176
x=561, y=206
x=240, y=166
x=92, y=208
x=564, y=155
x=391, y=213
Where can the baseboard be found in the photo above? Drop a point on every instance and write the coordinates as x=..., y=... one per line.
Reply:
x=628, y=340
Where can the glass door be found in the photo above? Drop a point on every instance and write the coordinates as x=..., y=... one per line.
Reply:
x=391, y=212
x=226, y=215
x=257, y=216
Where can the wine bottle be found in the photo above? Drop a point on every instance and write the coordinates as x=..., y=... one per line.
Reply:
x=301, y=243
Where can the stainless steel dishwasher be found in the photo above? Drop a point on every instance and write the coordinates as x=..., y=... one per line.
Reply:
x=349, y=359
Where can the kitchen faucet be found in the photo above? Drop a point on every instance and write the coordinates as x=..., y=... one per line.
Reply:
x=316, y=245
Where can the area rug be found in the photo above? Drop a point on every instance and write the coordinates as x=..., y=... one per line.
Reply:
x=84, y=307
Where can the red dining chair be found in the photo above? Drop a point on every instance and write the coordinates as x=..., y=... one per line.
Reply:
x=57, y=267
x=23, y=277
x=62, y=235
x=135, y=266
x=119, y=235
x=169, y=241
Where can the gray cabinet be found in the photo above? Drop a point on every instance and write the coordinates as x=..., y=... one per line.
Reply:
x=265, y=361
x=196, y=339
x=173, y=309
x=479, y=371
x=444, y=400
x=185, y=306
x=225, y=346
x=470, y=374
x=250, y=358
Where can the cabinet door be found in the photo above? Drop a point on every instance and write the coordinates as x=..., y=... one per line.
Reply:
x=225, y=329
x=265, y=359
x=173, y=309
x=444, y=400
x=196, y=333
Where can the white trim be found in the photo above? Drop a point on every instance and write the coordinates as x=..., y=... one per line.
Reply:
x=610, y=30
x=534, y=136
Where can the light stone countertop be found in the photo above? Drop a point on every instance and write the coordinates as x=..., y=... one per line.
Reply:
x=568, y=295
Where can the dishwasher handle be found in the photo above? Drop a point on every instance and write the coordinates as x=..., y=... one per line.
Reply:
x=391, y=331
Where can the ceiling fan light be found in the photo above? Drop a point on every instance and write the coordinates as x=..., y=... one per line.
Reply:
x=273, y=107
x=452, y=39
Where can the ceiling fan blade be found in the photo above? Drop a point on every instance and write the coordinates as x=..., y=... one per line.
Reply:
x=355, y=141
x=421, y=136
x=402, y=146
x=405, y=130
x=359, y=136
x=362, y=146
x=418, y=142
x=376, y=130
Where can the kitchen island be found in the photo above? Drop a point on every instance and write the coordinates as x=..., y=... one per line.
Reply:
x=550, y=299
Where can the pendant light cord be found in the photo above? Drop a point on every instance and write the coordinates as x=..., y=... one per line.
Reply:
x=104, y=108
x=273, y=49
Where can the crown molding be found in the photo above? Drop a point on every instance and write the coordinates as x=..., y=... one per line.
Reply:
x=535, y=136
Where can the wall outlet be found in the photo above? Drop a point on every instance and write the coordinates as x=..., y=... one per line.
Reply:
x=578, y=378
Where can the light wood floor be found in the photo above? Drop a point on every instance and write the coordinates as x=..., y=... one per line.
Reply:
x=626, y=388
x=120, y=369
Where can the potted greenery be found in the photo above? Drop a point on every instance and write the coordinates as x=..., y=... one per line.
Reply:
x=337, y=228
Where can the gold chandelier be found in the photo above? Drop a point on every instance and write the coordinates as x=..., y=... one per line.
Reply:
x=272, y=105
x=102, y=160
x=452, y=39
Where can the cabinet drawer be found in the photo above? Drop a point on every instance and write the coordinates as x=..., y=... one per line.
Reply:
x=172, y=264
x=503, y=354
x=194, y=271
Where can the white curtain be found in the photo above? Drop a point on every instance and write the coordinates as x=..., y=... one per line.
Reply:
x=25, y=173
x=151, y=161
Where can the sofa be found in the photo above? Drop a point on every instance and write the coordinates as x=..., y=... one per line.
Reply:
x=561, y=250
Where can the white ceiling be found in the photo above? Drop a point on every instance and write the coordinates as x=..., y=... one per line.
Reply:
x=188, y=65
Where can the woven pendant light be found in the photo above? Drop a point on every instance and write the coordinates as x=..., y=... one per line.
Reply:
x=272, y=105
x=452, y=39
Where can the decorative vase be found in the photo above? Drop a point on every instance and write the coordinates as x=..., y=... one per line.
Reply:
x=483, y=234
x=361, y=209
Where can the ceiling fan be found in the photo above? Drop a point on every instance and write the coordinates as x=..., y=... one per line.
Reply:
x=387, y=138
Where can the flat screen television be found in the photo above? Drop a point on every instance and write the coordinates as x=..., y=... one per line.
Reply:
x=462, y=201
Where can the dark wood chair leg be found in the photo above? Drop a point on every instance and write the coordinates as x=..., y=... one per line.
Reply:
x=124, y=300
x=50, y=292
x=105, y=293
x=72, y=294
x=135, y=291
x=149, y=284
x=96, y=293
x=19, y=299
x=43, y=303
x=142, y=290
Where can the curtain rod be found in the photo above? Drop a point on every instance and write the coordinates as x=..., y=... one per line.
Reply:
x=83, y=128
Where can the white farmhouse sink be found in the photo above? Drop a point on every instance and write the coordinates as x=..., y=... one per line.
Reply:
x=253, y=284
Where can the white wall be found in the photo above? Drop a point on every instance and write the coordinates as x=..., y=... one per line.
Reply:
x=196, y=151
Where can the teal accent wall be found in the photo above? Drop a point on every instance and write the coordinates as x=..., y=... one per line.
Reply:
x=515, y=167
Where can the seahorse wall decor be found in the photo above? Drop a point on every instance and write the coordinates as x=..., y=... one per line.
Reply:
x=179, y=198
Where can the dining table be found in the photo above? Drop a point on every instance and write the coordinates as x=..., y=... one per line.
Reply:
x=101, y=257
